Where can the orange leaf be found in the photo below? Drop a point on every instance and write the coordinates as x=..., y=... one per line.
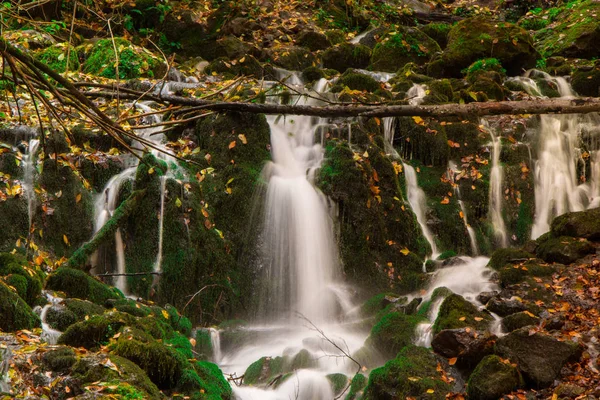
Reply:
x=232, y=145
x=452, y=361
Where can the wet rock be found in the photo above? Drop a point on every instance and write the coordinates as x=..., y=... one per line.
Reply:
x=240, y=26
x=569, y=390
x=554, y=322
x=468, y=345
x=582, y=224
x=373, y=37
x=413, y=373
x=563, y=249
x=540, y=357
x=404, y=45
x=504, y=307
x=393, y=332
x=313, y=40
x=16, y=314
x=346, y=55
x=264, y=370
x=519, y=320
x=484, y=297
x=292, y=58
x=501, y=257
x=456, y=312
x=493, y=378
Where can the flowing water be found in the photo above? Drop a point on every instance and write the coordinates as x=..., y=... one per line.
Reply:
x=561, y=184
x=496, y=181
x=49, y=335
x=452, y=170
x=29, y=165
x=418, y=203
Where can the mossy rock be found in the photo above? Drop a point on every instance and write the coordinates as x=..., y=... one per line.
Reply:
x=438, y=31
x=486, y=89
x=393, y=332
x=293, y=58
x=456, y=312
x=78, y=284
x=516, y=273
x=476, y=38
x=134, y=61
x=16, y=314
x=563, y=249
x=130, y=306
x=60, y=318
x=59, y=359
x=483, y=66
x=403, y=45
x=312, y=74
x=182, y=344
x=335, y=36
x=493, y=378
x=203, y=347
x=303, y=360
x=15, y=214
x=95, y=368
x=440, y=92
x=338, y=382
x=313, y=40
x=582, y=224
x=346, y=55
x=264, y=370
x=83, y=308
x=214, y=383
x=163, y=365
x=247, y=66
x=357, y=81
x=501, y=257
x=413, y=373
x=576, y=33
x=379, y=302
x=358, y=383
x=55, y=57
x=95, y=331
x=519, y=320
x=26, y=279
x=586, y=81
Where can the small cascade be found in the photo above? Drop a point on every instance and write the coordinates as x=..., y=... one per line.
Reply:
x=389, y=128
x=49, y=335
x=472, y=238
x=158, y=263
x=559, y=188
x=215, y=342
x=496, y=180
x=29, y=164
x=416, y=94
x=418, y=203
x=304, y=384
x=467, y=276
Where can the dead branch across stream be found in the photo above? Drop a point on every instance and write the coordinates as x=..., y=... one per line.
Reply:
x=130, y=273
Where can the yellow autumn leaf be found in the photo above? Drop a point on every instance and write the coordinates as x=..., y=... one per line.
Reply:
x=66, y=240
x=232, y=145
x=478, y=319
x=165, y=314
x=462, y=318
x=78, y=198
x=193, y=342
x=418, y=120
x=242, y=138
x=430, y=391
x=151, y=171
x=405, y=251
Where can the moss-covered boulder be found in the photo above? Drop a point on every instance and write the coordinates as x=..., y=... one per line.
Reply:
x=83, y=308
x=523, y=271
x=501, y=257
x=576, y=32
x=357, y=81
x=60, y=318
x=540, y=357
x=339, y=382
x=212, y=382
x=78, y=284
x=401, y=46
x=358, y=383
x=582, y=224
x=264, y=370
x=59, y=359
x=438, y=31
x=586, y=80
x=346, y=55
x=293, y=58
x=413, y=373
x=134, y=61
x=519, y=320
x=456, y=312
x=16, y=314
x=493, y=378
x=55, y=57
x=563, y=249
x=393, y=332
x=246, y=65
x=476, y=38
x=163, y=365
x=313, y=40
x=95, y=331
x=25, y=278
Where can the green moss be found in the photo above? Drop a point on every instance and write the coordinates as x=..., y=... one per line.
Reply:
x=438, y=31
x=55, y=57
x=338, y=382
x=411, y=374
x=346, y=55
x=493, y=378
x=95, y=331
x=18, y=282
x=501, y=257
x=358, y=81
x=134, y=62
x=60, y=318
x=182, y=344
x=131, y=307
x=76, y=283
x=60, y=359
x=403, y=45
x=264, y=370
x=456, y=312
x=203, y=347
x=393, y=332
x=83, y=308
x=511, y=274
x=312, y=74
x=293, y=58
x=563, y=249
x=15, y=269
x=16, y=314
x=440, y=91
x=213, y=379
x=163, y=365
x=303, y=360
x=583, y=224
x=179, y=322
x=358, y=383
x=519, y=320
x=377, y=303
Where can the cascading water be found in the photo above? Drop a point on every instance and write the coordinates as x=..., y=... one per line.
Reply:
x=158, y=263
x=472, y=238
x=29, y=164
x=496, y=180
x=557, y=182
x=418, y=203
x=49, y=335
x=416, y=94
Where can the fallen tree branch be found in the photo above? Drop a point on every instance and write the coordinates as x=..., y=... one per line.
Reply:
x=130, y=273
x=539, y=106
x=79, y=259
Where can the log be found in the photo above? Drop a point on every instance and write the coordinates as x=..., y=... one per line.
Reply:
x=79, y=259
x=538, y=106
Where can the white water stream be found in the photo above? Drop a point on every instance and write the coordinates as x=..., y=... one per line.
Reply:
x=29, y=164
x=495, y=197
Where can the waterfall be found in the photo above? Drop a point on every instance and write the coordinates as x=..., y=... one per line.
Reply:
x=49, y=335
x=496, y=180
x=29, y=164
x=558, y=186
x=300, y=255
x=418, y=203
x=389, y=127
x=215, y=342
x=416, y=94
x=158, y=263
x=472, y=238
